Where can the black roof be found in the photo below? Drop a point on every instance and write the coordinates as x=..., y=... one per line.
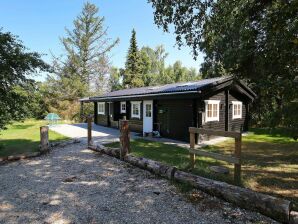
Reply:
x=174, y=88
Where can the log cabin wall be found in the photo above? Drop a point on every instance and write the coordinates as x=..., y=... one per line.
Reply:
x=238, y=123
x=135, y=124
x=174, y=118
x=232, y=124
x=101, y=119
x=216, y=125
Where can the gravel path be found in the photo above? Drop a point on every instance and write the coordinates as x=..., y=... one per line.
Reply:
x=100, y=134
x=75, y=185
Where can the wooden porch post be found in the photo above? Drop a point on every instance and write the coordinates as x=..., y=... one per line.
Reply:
x=124, y=139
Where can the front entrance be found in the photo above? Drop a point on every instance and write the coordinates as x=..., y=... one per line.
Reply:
x=147, y=116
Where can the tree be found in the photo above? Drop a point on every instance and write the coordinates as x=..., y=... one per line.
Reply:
x=87, y=47
x=83, y=70
x=153, y=64
x=16, y=67
x=115, y=78
x=132, y=76
x=253, y=40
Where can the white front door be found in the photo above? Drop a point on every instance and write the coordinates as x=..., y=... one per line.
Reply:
x=147, y=116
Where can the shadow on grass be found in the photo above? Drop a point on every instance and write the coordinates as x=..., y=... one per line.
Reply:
x=267, y=167
x=21, y=126
x=176, y=156
x=17, y=146
x=274, y=132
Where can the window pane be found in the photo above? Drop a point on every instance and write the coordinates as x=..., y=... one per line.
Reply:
x=135, y=109
x=100, y=108
x=215, y=108
x=209, y=110
x=148, y=110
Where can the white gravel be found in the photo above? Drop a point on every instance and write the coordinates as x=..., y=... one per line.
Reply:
x=76, y=185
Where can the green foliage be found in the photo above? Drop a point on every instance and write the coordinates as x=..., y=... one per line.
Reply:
x=84, y=68
x=146, y=67
x=115, y=79
x=254, y=40
x=16, y=65
x=132, y=76
x=87, y=46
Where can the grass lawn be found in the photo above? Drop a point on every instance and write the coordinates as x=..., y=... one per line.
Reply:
x=24, y=137
x=270, y=161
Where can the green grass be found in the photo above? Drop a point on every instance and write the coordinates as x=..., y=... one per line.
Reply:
x=270, y=161
x=24, y=137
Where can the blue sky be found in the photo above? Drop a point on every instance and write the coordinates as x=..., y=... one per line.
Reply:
x=39, y=24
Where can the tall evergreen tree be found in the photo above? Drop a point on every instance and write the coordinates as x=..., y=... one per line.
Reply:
x=84, y=68
x=87, y=46
x=133, y=76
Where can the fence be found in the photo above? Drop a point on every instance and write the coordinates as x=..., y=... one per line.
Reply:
x=236, y=159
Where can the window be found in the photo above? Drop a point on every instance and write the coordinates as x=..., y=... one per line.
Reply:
x=237, y=109
x=212, y=110
x=135, y=109
x=123, y=107
x=101, y=108
x=148, y=110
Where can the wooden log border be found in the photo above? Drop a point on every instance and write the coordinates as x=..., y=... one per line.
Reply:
x=236, y=159
x=273, y=207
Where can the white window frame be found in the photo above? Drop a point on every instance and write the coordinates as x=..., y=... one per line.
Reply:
x=121, y=110
x=238, y=116
x=213, y=118
x=104, y=108
x=138, y=103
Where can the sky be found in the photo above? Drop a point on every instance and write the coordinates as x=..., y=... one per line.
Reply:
x=40, y=23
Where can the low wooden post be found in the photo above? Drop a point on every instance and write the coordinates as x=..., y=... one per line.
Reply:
x=192, y=146
x=124, y=139
x=89, y=123
x=44, y=139
x=237, y=166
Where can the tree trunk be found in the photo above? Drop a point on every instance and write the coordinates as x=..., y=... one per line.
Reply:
x=276, y=208
x=152, y=166
x=124, y=139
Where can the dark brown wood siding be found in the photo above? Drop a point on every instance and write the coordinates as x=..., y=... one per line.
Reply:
x=238, y=123
x=135, y=124
x=101, y=119
x=233, y=124
x=217, y=125
x=174, y=118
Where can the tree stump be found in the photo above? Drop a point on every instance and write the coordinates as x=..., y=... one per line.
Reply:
x=124, y=139
x=44, y=139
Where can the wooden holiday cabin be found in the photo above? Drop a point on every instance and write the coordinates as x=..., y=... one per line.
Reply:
x=217, y=103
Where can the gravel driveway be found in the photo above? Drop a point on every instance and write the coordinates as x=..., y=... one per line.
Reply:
x=75, y=185
x=100, y=134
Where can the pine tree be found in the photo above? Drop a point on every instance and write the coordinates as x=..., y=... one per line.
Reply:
x=84, y=68
x=133, y=76
x=87, y=45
